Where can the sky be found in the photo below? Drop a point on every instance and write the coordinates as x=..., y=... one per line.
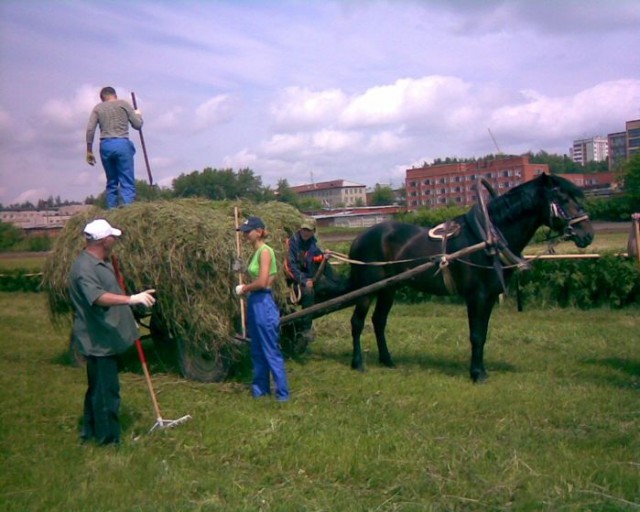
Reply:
x=308, y=91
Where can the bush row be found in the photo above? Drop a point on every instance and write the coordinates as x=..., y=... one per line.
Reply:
x=609, y=281
x=584, y=283
x=20, y=280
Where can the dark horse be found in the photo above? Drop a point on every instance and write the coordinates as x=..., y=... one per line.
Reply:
x=479, y=277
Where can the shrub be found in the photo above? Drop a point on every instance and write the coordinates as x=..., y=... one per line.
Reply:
x=20, y=280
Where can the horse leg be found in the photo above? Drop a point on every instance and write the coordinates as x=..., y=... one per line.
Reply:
x=379, y=319
x=478, y=313
x=357, y=325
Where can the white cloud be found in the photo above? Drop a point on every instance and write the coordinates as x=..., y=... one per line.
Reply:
x=335, y=140
x=69, y=113
x=299, y=107
x=424, y=98
x=600, y=108
x=214, y=111
x=32, y=195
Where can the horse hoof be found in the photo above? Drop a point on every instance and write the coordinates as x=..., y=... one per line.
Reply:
x=388, y=364
x=358, y=367
x=479, y=378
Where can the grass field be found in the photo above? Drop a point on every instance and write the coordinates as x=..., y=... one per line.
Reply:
x=557, y=427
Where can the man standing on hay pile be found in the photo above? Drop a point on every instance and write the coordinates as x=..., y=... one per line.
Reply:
x=103, y=328
x=116, y=150
x=305, y=263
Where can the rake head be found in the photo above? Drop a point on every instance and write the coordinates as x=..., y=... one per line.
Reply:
x=161, y=424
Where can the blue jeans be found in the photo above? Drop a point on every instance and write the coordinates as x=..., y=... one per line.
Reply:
x=117, y=160
x=263, y=321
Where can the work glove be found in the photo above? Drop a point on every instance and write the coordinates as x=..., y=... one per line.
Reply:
x=91, y=160
x=240, y=289
x=145, y=298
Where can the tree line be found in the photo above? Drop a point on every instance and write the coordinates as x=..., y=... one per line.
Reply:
x=220, y=184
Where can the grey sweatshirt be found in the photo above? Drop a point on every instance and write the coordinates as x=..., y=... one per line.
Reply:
x=114, y=118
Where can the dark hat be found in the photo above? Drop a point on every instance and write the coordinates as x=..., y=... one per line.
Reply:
x=250, y=224
x=308, y=223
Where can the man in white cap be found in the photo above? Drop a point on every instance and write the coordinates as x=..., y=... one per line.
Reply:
x=104, y=327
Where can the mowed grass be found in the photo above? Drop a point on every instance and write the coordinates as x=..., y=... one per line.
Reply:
x=604, y=241
x=557, y=426
x=28, y=261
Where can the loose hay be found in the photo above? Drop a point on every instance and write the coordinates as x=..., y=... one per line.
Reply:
x=185, y=250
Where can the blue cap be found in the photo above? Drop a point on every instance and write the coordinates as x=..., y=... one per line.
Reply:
x=250, y=224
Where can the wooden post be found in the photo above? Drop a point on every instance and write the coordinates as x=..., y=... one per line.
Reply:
x=240, y=280
x=633, y=245
x=144, y=147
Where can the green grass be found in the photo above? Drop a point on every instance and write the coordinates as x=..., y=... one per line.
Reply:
x=557, y=427
x=28, y=261
x=603, y=242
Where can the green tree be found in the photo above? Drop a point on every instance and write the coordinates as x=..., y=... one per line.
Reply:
x=10, y=235
x=382, y=195
x=220, y=184
x=309, y=204
x=144, y=192
x=285, y=194
x=632, y=181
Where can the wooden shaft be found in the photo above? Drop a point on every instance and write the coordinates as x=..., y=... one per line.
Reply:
x=348, y=299
x=240, y=280
x=143, y=359
x=144, y=147
x=147, y=377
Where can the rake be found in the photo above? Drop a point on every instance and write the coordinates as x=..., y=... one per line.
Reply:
x=160, y=423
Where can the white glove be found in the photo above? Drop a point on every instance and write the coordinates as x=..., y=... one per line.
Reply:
x=239, y=289
x=145, y=298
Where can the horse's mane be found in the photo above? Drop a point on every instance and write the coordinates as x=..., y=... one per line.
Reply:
x=526, y=196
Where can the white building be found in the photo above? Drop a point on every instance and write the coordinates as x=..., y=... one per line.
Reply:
x=334, y=194
x=595, y=149
x=42, y=219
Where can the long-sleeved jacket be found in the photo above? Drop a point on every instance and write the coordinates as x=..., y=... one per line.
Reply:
x=301, y=256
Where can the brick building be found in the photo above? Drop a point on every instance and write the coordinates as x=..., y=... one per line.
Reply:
x=438, y=185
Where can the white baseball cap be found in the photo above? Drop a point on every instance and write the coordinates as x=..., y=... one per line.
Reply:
x=99, y=229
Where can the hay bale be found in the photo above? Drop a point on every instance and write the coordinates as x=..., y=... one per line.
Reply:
x=185, y=250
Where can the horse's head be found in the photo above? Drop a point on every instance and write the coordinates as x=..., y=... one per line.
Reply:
x=565, y=213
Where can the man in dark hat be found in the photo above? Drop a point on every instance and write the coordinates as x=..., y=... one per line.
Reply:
x=304, y=258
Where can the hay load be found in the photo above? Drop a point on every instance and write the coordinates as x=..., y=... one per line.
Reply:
x=185, y=250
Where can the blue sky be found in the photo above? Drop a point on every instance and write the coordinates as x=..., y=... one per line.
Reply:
x=303, y=90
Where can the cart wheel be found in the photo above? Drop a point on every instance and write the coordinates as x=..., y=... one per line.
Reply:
x=201, y=366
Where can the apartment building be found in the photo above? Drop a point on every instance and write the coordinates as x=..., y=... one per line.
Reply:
x=594, y=149
x=334, y=194
x=590, y=180
x=622, y=145
x=434, y=186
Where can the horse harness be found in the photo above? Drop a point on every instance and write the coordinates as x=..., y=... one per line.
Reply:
x=495, y=244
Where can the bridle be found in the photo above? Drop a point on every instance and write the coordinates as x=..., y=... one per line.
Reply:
x=556, y=211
